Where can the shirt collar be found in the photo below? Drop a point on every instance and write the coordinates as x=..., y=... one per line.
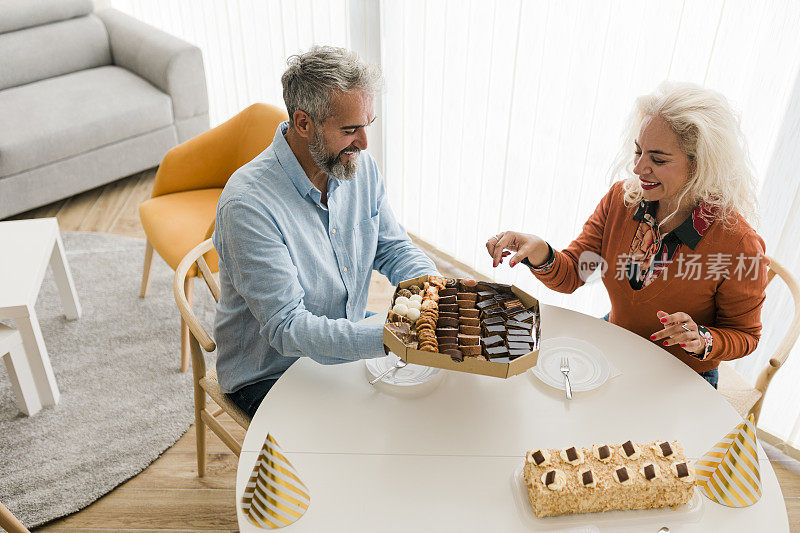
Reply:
x=293, y=169
x=690, y=230
x=289, y=162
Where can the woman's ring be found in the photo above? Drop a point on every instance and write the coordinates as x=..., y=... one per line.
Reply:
x=684, y=327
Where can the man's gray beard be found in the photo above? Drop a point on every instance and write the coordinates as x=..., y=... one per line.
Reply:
x=331, y=164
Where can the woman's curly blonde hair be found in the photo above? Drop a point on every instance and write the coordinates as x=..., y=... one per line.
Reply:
x=709, y=133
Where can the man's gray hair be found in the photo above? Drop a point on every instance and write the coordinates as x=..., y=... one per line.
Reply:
x=314, y=76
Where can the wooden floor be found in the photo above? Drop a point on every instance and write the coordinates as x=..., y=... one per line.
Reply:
x=168, y=495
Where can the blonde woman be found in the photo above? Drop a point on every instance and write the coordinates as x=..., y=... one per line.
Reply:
x=685, y=268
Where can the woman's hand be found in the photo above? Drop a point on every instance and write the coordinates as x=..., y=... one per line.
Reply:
x=679, y=328
x=527, y=246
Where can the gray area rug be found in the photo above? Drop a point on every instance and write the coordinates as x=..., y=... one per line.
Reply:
x=123, y=399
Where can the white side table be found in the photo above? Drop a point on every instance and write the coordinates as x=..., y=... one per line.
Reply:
x=26, y=248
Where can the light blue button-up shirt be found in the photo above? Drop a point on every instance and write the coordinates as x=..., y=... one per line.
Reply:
x=294, y=273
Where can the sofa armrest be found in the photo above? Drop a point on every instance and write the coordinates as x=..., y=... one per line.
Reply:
x=169, y=63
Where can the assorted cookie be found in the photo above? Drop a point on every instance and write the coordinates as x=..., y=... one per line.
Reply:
x=465, y=319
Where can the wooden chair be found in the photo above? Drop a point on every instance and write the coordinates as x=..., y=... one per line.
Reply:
x=740, y=394
x=189, y=181
x=9, y=522
x=205, y=381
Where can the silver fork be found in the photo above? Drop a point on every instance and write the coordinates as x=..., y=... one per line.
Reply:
x=565, y=371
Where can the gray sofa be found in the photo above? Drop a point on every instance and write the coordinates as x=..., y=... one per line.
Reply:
x=87, y=98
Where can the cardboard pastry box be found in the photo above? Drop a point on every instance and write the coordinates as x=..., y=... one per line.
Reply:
x=470, y=365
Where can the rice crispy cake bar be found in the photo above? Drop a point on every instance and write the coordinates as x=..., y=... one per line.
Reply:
x=608, y=478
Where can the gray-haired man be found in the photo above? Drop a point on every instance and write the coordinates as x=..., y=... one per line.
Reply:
x=299, y=230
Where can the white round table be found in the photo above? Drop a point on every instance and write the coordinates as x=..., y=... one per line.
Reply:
x=440, y=457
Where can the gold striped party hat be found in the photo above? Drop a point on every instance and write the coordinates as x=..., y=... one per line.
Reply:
x=729, y=473
x=275, y=497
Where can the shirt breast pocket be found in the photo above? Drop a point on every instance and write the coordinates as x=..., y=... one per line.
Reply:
x=365, y=237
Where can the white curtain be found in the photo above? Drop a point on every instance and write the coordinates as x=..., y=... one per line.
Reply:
x=780, y=227
x=245, y=43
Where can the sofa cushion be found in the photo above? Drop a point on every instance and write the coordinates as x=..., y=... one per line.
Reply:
x=53, y=49
x=71, y=114
x=16, y=15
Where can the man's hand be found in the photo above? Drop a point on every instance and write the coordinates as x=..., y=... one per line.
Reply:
x=527, y=246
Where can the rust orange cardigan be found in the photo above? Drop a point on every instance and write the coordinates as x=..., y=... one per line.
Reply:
x=729, y=307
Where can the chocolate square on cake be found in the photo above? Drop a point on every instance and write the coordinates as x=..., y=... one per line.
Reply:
x=587, y=477
x=604, y=452
x=666, y=449
x=622, y=474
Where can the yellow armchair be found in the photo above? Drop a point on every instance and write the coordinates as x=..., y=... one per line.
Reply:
x=180, y=213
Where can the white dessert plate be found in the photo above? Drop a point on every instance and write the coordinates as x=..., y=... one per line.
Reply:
x=588, y=367
x=616, y=521
x=407, y=376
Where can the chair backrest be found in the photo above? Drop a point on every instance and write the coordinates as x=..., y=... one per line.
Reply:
x=208, y=160
x=789, y=340
x=197, y=333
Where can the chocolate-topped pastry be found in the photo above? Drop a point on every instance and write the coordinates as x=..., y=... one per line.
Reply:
x=512, y=346
x=468, y=285
x=525, y=339
x=486, y=304
x=446, y=332
x=450, y=291
x=517, y=331
x=494, y=340
x=492, y=321
x=469, y=313
x=448, y=315
x=465, y=304
x=682, y=469
x=444, y=300
x=455, y=354
x=505, y=360
x=448, y=308
x=403, y=332
x=587, y=478
x=495, y=330
x=466, y=321
x=492, y=311
x=483, y=295
x=447, y=322
x=512, y=303
x=519, y=325
x=525, y=316
x=517, y=352
x=469, y=330
x=504, y=297
x=470, y=350
x=468, y=340
x=649, y=472
x=511, y=311
x=666, y=449
x=496, y=351
x=467, y=296
x=604, y=452
x=404, y=292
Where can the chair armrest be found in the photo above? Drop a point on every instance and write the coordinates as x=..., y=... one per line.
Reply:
x=169, y=63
